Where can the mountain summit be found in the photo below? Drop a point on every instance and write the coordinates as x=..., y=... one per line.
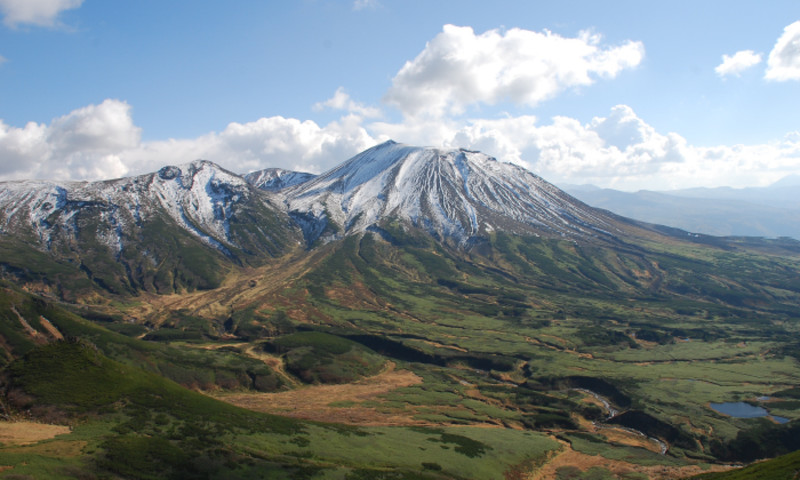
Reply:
x=453, y=194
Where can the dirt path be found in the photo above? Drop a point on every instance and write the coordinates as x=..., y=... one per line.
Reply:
x=275, y=363
x=319, y=402
x=27, y=433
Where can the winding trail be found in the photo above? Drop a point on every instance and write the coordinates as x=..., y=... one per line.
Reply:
x=275, y=363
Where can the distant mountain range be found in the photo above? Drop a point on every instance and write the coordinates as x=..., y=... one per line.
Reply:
x=772, y=211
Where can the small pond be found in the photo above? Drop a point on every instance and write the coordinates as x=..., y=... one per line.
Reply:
x=744, y=410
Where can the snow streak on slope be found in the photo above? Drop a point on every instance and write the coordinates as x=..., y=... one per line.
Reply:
x=454, y=194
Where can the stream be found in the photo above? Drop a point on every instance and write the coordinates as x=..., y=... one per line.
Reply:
x=611, y=412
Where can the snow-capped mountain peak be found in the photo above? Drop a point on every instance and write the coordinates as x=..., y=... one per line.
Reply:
x=454, y=194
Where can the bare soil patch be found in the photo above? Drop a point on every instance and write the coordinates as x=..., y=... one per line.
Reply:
x=32, y=332
x=28, y=433
x=315, y=402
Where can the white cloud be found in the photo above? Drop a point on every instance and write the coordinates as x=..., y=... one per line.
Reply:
x=82, y=144
x=459, y=68
x=739, y=62
x=619, y=151
x=288, y=143
x=103, y=128
x=341, y=101
x=3, y=59
x=35, y=12
x=784, y=59
x=101, y=141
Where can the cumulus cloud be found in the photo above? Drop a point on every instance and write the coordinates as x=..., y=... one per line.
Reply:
x=739, y=62
x=619, y=150
x=341, y=101
x=459, y=68
x=102, y=141
x=103, y=128
x=784, y=59
x=288, y=143
x=35, y=12
x=82, y=144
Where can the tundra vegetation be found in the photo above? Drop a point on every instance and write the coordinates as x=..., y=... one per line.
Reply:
x=523, y=350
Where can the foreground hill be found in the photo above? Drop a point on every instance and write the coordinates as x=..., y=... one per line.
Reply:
x=468, y=320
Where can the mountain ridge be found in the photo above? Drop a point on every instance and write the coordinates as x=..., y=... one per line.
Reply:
x=145, y=232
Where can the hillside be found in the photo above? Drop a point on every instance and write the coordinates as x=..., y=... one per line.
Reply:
x=449, y=308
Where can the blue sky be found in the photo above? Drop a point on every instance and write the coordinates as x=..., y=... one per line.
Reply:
x=620, y=94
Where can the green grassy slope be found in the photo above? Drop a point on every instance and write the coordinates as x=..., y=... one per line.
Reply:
x=524, y=335
x=207, y=369
x=672, y=326
x=133, y=424
x=786, y=467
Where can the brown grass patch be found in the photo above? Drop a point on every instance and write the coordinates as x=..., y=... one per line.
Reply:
x=27, y=433
x=355, y=295
x=617, y=435
x=50, y=328
x=632, y=439
x=567, y=457
x=314, y=402
x=56, y=449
